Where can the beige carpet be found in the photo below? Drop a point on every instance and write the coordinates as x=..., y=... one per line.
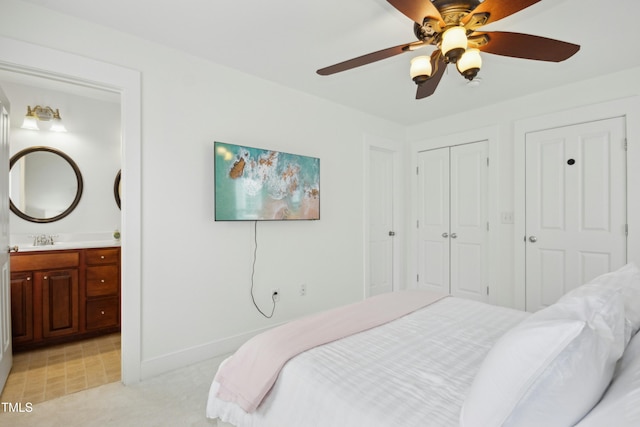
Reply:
x=174, y=399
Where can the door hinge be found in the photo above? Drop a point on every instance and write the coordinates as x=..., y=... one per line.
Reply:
x=418, y=278
x=487, y=162
x=626, y=229
x=487, y=225
x=625, y=144
x=487, y=290
x=417, y=170
x=417, y=223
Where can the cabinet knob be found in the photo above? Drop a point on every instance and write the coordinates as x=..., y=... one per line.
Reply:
x=102, y=281
x=45, y=277
x=101, y=256
x=102, y=312
x=28, y=278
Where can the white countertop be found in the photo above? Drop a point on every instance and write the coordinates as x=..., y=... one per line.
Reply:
x=29, y=247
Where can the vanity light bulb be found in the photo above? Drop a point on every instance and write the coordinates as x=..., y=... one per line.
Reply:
x=30, y=123
x=57, y=126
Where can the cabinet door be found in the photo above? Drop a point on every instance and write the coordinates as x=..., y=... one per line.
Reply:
x=59, y=302
x=22, y=307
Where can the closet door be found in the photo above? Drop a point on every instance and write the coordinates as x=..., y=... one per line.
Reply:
x=433, y=220
x=575, y=207
x=452, y=220
x=469, y=222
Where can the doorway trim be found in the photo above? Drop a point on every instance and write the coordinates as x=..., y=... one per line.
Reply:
x=629, y=108
x=19, y=56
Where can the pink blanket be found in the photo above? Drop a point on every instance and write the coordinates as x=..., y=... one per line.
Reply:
x=251, y=372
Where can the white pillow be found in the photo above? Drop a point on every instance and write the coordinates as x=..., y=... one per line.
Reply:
x=552, y=368
x=620, y=405
x=627, y=279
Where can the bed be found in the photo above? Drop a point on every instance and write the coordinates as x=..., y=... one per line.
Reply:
x=458, y=362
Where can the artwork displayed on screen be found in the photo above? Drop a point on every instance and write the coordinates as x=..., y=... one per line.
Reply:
x=253, y=184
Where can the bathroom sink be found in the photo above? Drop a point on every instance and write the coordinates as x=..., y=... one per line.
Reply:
x=29, y=247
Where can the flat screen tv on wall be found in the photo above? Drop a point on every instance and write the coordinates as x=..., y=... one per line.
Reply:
x=253, y=184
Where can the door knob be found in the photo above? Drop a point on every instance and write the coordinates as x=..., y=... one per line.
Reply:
x=533, y=239
x=454, y=235
x=445, y=234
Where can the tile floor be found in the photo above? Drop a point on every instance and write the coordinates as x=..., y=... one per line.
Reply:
x=47, y=373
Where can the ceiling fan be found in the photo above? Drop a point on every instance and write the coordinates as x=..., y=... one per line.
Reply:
x=452, y=26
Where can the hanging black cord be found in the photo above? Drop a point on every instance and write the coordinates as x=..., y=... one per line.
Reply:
x=253, y=272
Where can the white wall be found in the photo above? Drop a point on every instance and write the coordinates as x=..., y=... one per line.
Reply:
x=92, y=141
x=498, y=123
x=196, y=272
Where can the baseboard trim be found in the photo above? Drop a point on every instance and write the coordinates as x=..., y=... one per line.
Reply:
x=189, y=356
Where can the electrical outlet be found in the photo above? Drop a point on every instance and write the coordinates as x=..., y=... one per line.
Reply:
x=303, y=289
x=275, y=295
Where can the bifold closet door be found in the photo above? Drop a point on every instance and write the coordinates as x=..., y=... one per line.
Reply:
x=452, y=220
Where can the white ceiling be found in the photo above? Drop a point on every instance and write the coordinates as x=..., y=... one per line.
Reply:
x=286, y=41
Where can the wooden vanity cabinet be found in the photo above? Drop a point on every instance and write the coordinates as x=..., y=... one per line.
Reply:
x=60, y=316
x=60, y=296
x=22, y=307
x=102, y=288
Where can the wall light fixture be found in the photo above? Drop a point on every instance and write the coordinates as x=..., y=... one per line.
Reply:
x=39, y=113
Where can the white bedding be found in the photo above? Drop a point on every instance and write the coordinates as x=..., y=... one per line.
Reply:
x=414, y=371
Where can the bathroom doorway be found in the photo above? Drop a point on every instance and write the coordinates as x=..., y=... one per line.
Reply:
x=61, y=66
x=92, y=142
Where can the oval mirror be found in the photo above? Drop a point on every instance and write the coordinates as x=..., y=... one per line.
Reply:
x=45, y=184
x=116, y=189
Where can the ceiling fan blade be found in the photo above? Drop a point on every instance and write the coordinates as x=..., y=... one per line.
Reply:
x=429, y=87
x=526, y=46
x=369, y=58
x=497, y=9
x=417, y=10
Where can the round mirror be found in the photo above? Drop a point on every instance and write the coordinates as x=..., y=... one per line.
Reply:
x=116, y=189
x=45, y=184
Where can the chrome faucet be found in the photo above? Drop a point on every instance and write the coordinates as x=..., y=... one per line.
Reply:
x=42, y=239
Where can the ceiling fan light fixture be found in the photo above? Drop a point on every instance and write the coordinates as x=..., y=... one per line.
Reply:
x=454, y=43
x=469, y=63
x=421, y=69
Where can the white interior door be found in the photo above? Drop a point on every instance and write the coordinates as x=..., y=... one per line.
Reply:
x=452, y=220
x=575, y=207
x=381, y=226
x=469, y=221
x=6, y=357
x=433, y=220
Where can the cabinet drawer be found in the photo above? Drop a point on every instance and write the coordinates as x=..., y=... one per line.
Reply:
x=44, y=261
x=102, y=313
x=102, y=256
x=102, y=280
